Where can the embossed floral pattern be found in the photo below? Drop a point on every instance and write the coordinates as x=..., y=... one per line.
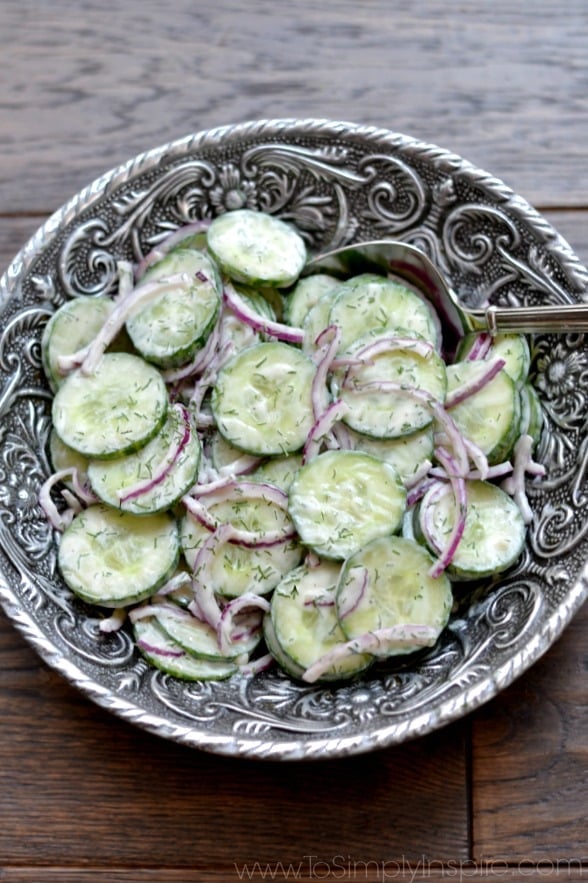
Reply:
x=336, y=183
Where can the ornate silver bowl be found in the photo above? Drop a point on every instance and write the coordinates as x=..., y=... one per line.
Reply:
x=339, y=183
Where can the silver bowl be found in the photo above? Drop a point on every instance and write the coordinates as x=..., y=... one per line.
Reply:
x=339, y=183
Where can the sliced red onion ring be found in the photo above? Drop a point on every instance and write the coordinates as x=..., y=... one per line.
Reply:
x=390, y=343
x=201, y=361
x=328, y=342
x=225, y=628
x=480, y=347
x=353, y=592
x=170, y=241
x=205, y=605
x=163, y=469
x=250, y=317
x=466, y=390
x=88, y=357
x=238, y=536
x=524, y=464
x=321, y=427
x=458, y=487
x=59, y=521
x=159, y=651
x=381, y=642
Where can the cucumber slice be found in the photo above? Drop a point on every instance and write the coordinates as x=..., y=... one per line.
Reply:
x=284, y=661
x=262, y=400
x=64, y=457
x=75, y=324
x=113, y=411
x=256, y=248
x=237, y=569
x=198, y=638
x=305, y=625
x=172, y=327
x=343, y=499
x=369, y=302
x=306, y=294
x=491, y=417
x=156, y=477
x=494, y=534
x=114, y=559
x=398, y=589
x=278, y=470
x=406, y=454
x=317, y=320
x=532, y=418
x=166, y=655
x=513, y=348
x=389, y=414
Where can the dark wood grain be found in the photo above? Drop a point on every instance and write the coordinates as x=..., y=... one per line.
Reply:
x=499, y=83
x=530, y=758
x=79, y=785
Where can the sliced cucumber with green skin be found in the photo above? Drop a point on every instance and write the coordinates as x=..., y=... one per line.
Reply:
x=115, y=559
x=341, y=500
x=513, y=348
x=173, y=326
x=369, y=302
x=262, y=401
x=532, y=418
x=75, y=324
x=64, y=457
x=286, y=664
x=256, y=248
x=237, y=569
x=156, y=477
x=490, y=417
x=317, y=320
x=228, y=459
x=406, y=454
x=165, y=654
x=305, y=625
x=383, y=413
x=397, y=590
x=306, y=294
x=113, y=411
x=278, y=470
x=198, y=638
x=494, y=533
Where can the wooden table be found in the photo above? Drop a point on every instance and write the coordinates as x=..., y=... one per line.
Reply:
x=85, y=797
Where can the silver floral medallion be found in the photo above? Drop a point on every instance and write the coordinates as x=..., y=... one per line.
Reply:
x=338, y=183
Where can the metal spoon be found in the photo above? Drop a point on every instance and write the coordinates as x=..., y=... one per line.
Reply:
x=412, y=265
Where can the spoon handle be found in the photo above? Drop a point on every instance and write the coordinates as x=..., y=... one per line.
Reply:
x=530, y=320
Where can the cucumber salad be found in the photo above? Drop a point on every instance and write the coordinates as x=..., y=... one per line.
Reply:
x=259, y=465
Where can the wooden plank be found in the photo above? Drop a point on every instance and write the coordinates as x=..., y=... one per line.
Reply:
x=499, y=83
x=530, y=756
x=80, y=786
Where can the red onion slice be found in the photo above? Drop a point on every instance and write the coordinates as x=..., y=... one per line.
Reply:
x=321, y=427
x=170, y=241
x=458, y=487
x=466, y=390
x=351, y=595
x=88, y=357
x=225, y=628
x=381, y=642
x=250, y=317
x=524, y=464
x=164, y=468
